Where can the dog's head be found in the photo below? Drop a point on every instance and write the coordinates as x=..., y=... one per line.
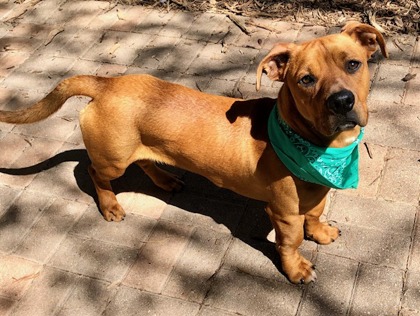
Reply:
x=328, y=77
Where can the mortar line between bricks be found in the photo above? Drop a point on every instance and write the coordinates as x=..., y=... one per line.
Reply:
x=332, y=197
x=64, y=299
x=374, y=79
x=245, y=209
x=109, y=301
x=382, y=173
x=85, y=238
x=363, y=262
x=76, y=220
x=300, y=30
x=237, y=85
x=304, y=294
x=413, y=54
x=210, y=280
x=34, y=222
x=406, y=85
x=27, y=138
x=6, y=207
x=144, y=291
x=412, y=66
x=409, y=258
x=184, y=249
x=139, y=252
x=53, y=154
x=117, y=284
x=378, y=198
x=80, y=276
x=77, y=274
x=205, y=86
x=11, y=132
x=393, y=147
x=353, y=290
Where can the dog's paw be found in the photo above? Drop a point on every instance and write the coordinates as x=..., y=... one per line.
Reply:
x=300, y=271
x=114, y=213
x=322, y=233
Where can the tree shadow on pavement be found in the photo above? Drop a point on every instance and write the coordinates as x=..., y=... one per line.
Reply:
x=244, y=218
x=247, y=221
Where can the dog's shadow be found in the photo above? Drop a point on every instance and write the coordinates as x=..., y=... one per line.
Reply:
x=246, y=220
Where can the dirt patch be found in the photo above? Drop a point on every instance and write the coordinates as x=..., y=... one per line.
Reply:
x=392, y=17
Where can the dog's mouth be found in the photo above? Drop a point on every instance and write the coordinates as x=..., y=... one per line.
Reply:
x=345, y=122
x=345, y=126
x=341, y=123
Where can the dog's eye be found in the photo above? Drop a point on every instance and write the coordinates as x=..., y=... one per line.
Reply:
x=353, y=66
x=307, y=80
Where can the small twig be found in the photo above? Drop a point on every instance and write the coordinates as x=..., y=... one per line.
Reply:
x=110, y=7
x=67, y=119
x=239, y=24
x=121, y=15
x=52, y=35
x=261, y=26
x=102, y=37
x=181, y=4
x=28, y=141
x=114, y=48
x=222, y=40
x=21, y=9
x=395, y=41
x=368, y=150
x=231, y=9
x=198, y=87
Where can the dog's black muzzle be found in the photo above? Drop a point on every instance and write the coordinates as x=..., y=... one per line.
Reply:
x=341, y=104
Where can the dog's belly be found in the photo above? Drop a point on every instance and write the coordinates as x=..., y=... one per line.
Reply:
x=236, y=171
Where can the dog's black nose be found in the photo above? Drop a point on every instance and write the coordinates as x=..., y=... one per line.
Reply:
x=341, y=102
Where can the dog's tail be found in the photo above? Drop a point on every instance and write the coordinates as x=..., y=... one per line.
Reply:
x=79, y=85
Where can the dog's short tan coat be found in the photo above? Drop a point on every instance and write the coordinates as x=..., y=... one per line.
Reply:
x=141, y=119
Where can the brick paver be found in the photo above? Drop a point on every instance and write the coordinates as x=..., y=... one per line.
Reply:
x=202, y=251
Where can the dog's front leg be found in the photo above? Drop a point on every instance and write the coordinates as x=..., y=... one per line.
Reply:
x=289, y=236
x=320, y=232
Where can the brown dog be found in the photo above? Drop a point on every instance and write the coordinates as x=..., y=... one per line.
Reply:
x=143, y=120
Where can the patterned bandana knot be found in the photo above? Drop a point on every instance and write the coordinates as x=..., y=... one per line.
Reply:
x=336, y=168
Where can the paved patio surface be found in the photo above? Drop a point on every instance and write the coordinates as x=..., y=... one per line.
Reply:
x=202, y=251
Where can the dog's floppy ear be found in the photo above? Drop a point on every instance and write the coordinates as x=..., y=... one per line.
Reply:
x=275, y=63
x=367, y=36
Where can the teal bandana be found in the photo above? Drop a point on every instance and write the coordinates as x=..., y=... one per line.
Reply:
x=332, y=167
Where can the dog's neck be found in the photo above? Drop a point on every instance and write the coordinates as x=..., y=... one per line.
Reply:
x=305, y=129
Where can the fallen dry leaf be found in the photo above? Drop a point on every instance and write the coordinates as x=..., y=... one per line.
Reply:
x=409, y=77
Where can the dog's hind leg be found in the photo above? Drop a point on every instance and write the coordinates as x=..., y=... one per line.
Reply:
x=162, y=178
x=108, y=204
